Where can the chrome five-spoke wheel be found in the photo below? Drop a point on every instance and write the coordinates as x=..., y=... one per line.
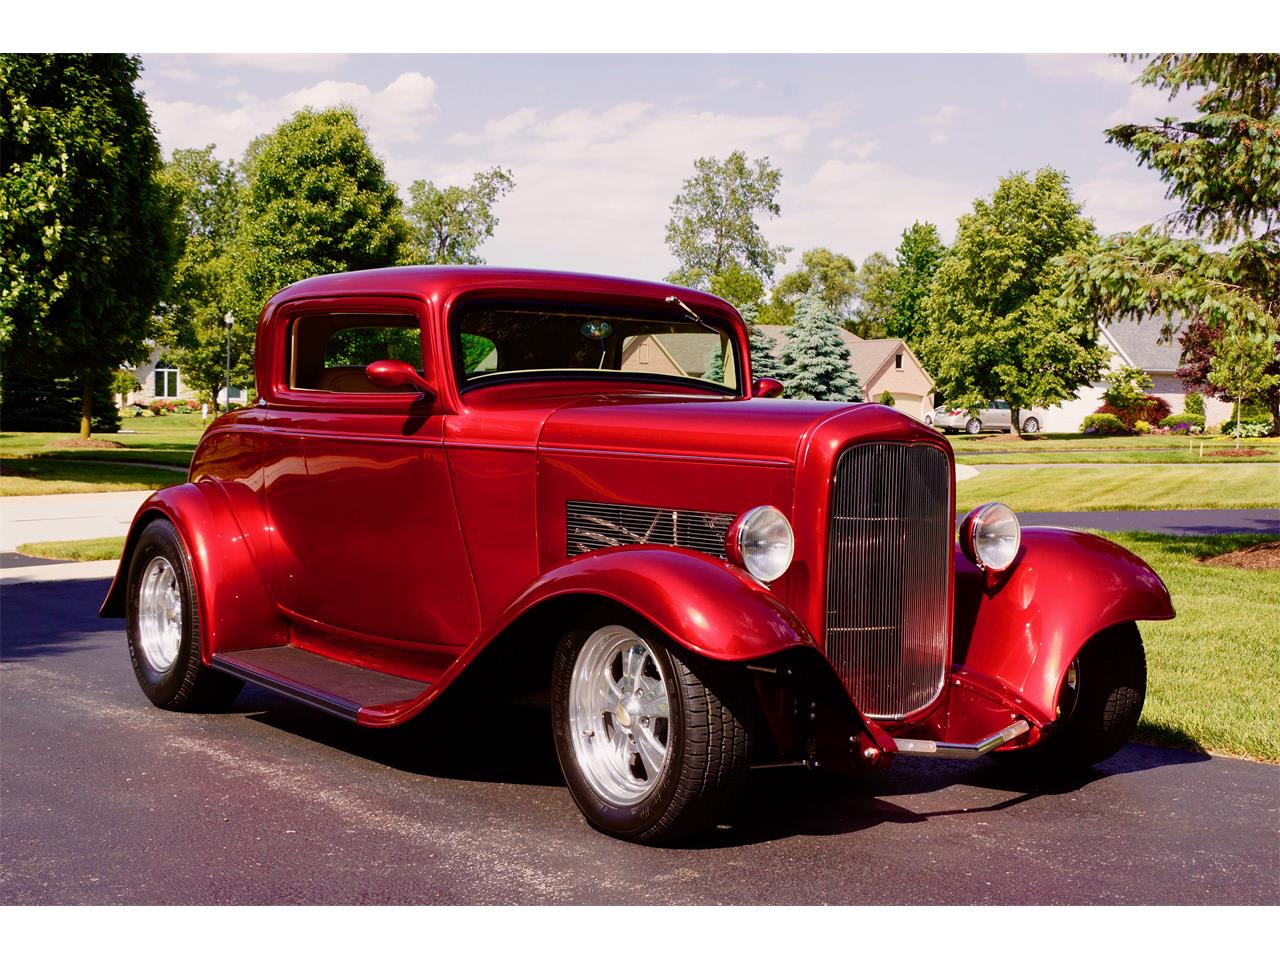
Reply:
x=159, y=615
x=654, y=740
x=620, y=716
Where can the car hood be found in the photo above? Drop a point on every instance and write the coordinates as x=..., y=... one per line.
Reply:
x=753, y=430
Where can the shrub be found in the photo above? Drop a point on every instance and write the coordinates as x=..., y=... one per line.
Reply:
x=1195, y=405
x=1103, y=423
x=1151, y=409
x=1184, y=422
x=156, y=407
x=886, y=398
x=1141, y=427
x=1248, y=427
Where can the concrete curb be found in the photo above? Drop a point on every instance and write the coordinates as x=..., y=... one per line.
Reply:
x=45, y=573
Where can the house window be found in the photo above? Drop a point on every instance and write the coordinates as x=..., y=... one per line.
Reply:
x=235, y=394
x=166, y=382
x=897, y=361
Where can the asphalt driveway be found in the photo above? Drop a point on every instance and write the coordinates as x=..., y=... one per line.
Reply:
x=108, y=800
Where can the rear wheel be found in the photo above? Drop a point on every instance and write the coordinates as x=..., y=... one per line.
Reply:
x=653, y=742
x=163, y=626
x=1031, y=425
x=1098, y=705
x=973, y=426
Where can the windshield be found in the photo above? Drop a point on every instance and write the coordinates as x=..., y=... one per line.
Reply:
x=499, y=340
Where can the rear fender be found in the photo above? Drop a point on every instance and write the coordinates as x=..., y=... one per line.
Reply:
x=236, y=611
x=1017, y=632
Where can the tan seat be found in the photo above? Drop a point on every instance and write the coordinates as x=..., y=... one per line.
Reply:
x=353, y=380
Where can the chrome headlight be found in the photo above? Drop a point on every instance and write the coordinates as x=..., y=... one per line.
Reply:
x=760, y=541
x=990, y=536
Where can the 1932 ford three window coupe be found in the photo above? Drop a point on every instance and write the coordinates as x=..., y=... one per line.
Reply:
x=573, y=481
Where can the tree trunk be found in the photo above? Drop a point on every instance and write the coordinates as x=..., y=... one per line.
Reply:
x=1015, y=416
x=86, y=403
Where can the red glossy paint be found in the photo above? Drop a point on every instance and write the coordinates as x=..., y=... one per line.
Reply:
x=405, y=531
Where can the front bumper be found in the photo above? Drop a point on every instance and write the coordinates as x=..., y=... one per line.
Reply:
x=962, y=751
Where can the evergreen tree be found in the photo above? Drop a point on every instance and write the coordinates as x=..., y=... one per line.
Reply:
x=815, y=359
x=764, y=363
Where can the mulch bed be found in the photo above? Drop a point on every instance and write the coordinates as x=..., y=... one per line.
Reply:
x=92, y=443
x=1265, y=556
x=1242, y=452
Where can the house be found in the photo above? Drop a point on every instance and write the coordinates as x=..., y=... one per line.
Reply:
x=160, y=379
x=886, y=365
x=1135, y=344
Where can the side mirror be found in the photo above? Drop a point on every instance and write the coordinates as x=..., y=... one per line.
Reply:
x=396, y=373
x=767, y=387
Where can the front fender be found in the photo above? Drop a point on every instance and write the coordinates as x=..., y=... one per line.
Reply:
x=235, y=608
x=702, y=603
x=1021, y=629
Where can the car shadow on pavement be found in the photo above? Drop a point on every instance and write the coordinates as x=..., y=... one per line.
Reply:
x=51, y=618
x=511, y=743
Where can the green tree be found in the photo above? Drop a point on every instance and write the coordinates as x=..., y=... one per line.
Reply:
x=917, y=258
x=448, y=224
x=317, y=200
x=739, y=286
x=1240, y=368
x=997, y=326
x=210, y=193
x=1223, y=167
x=713, y=220
x=88, y=232
x=874, y=297
x=1127, y=387
x=815, y=360
x=764, y=362
x=832, y=276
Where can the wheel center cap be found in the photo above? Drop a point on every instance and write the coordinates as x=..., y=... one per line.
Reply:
x=622, y=715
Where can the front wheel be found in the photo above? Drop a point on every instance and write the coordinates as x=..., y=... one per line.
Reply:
x=1031, y=425
x=973, y=426
x=1098, y=707
x=163, y=626
x=653, y=742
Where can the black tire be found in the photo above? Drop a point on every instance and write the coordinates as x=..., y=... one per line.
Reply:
x=709, y=739
x=1031, y=425
x=187, y=683
x=1100, y=715
x=973, y=426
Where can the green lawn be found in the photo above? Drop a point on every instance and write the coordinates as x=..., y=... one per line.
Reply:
x=103, y=548
x=1078, y=448
x=1213, y=672
x=33, y=463
x=1220, y=486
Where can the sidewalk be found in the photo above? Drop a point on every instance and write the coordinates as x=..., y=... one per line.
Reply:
x=67, y=516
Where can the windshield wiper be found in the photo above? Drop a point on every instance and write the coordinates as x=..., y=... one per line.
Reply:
x=689, y=310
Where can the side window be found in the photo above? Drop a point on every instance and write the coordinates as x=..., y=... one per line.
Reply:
x=329, y=352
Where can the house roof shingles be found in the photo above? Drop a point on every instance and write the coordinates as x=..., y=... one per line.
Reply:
x=1143, y=345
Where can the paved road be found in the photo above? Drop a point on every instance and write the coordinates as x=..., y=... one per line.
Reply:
x=108, y=800
x=1180, y=522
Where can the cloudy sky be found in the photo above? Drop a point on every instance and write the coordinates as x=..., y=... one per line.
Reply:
x=599, y=144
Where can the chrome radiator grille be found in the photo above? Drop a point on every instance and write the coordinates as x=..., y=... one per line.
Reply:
x=594, y=526
x=888, y=575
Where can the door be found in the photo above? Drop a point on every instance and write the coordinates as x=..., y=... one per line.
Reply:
x=365, y=533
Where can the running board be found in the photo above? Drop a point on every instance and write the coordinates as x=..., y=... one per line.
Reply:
x=962, y=751
x=337, y=688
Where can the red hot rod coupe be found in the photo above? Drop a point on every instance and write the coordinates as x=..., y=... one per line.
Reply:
x=574, y=481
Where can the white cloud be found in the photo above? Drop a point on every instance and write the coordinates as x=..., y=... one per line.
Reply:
x=858, y=207
x=594, y=187
x=282, y=62
x=1120, y=198
x=399, y=113
x=1082, y=66
x=941, y=122
x=861, y=149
